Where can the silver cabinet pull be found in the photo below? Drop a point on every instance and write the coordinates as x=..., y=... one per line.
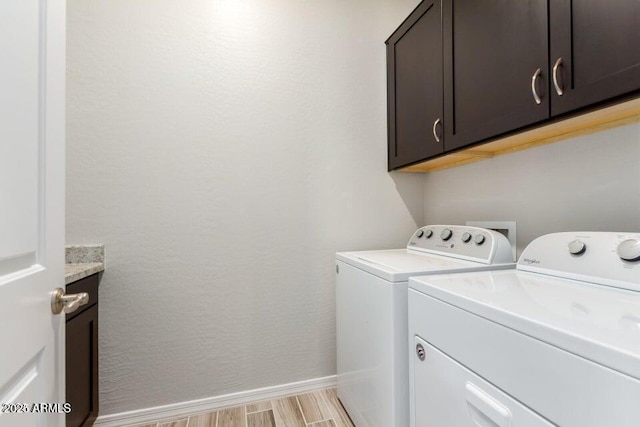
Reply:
x=435, y=130
x=69, y=303
x=536, y=97
x=557, y=65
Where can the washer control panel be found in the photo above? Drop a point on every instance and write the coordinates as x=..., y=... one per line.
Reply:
x=599, y=257
x=464, y=242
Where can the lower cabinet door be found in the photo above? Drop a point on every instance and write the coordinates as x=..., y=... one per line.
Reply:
x=445, y=393
x=82, y=367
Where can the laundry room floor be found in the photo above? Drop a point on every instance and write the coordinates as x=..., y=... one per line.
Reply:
x=316, y=409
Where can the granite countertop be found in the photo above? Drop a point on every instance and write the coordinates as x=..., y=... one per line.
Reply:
x=82, y=261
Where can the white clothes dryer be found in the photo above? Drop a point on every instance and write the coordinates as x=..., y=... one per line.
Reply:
x=555, y=342
x=371, y=313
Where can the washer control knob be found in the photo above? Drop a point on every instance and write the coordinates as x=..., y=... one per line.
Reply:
x=577, y=247
x=466, y=237
x=446, y=234
x=420, y=233
x=629, y=250
x=428, y=234
x=479, y=239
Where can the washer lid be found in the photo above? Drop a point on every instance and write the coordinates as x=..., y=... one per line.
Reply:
x=397, y=265
x=596, y=322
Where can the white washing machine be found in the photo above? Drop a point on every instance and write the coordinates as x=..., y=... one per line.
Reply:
x=371, y=313
x=555, y=342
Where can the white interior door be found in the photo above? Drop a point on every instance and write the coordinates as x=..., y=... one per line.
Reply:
x=32, y=72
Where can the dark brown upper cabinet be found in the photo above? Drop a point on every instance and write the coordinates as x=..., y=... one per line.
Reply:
x=414, y=86
x=595, y=51
x=465, y=72
x=495, y=68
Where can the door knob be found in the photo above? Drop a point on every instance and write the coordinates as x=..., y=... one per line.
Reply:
x=69, y=303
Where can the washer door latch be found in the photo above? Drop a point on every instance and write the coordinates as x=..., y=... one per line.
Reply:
x=420, y=352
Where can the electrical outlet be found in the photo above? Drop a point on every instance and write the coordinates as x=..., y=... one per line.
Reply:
x=506, y=228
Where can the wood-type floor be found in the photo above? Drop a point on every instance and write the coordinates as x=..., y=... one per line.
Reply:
x=316, y=409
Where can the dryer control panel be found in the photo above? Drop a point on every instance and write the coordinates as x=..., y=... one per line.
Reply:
x=464, y=242
x=605, y=258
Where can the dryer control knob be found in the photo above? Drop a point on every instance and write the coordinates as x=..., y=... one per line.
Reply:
x=479, y=239
x=466, y=237
x=420, y=233
x=428, y=234
x=577, y=247
x=629, y=250
x=446, y=234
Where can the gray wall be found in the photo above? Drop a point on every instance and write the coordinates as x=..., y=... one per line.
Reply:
x=589, y=183
x=223, y=150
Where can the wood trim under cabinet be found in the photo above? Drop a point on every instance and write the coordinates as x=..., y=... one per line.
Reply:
x=595, y=121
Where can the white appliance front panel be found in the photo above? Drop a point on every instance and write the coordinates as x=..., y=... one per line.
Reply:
x=371, y=339
x=567, y=390
x=597, y=322
x=447, y=394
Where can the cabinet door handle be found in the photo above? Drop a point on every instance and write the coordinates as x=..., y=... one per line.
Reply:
x=435, y=129
x=557, y=65
x=536, y=97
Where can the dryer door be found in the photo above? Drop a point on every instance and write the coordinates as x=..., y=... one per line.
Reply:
x=446, y=393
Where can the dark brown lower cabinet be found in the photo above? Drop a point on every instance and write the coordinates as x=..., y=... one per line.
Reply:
x=82, y=356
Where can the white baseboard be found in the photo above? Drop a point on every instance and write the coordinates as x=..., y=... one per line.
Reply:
x=141, y=416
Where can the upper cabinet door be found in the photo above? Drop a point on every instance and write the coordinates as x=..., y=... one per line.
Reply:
x=414, y=86
x=495, y=68
x=595, y=51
